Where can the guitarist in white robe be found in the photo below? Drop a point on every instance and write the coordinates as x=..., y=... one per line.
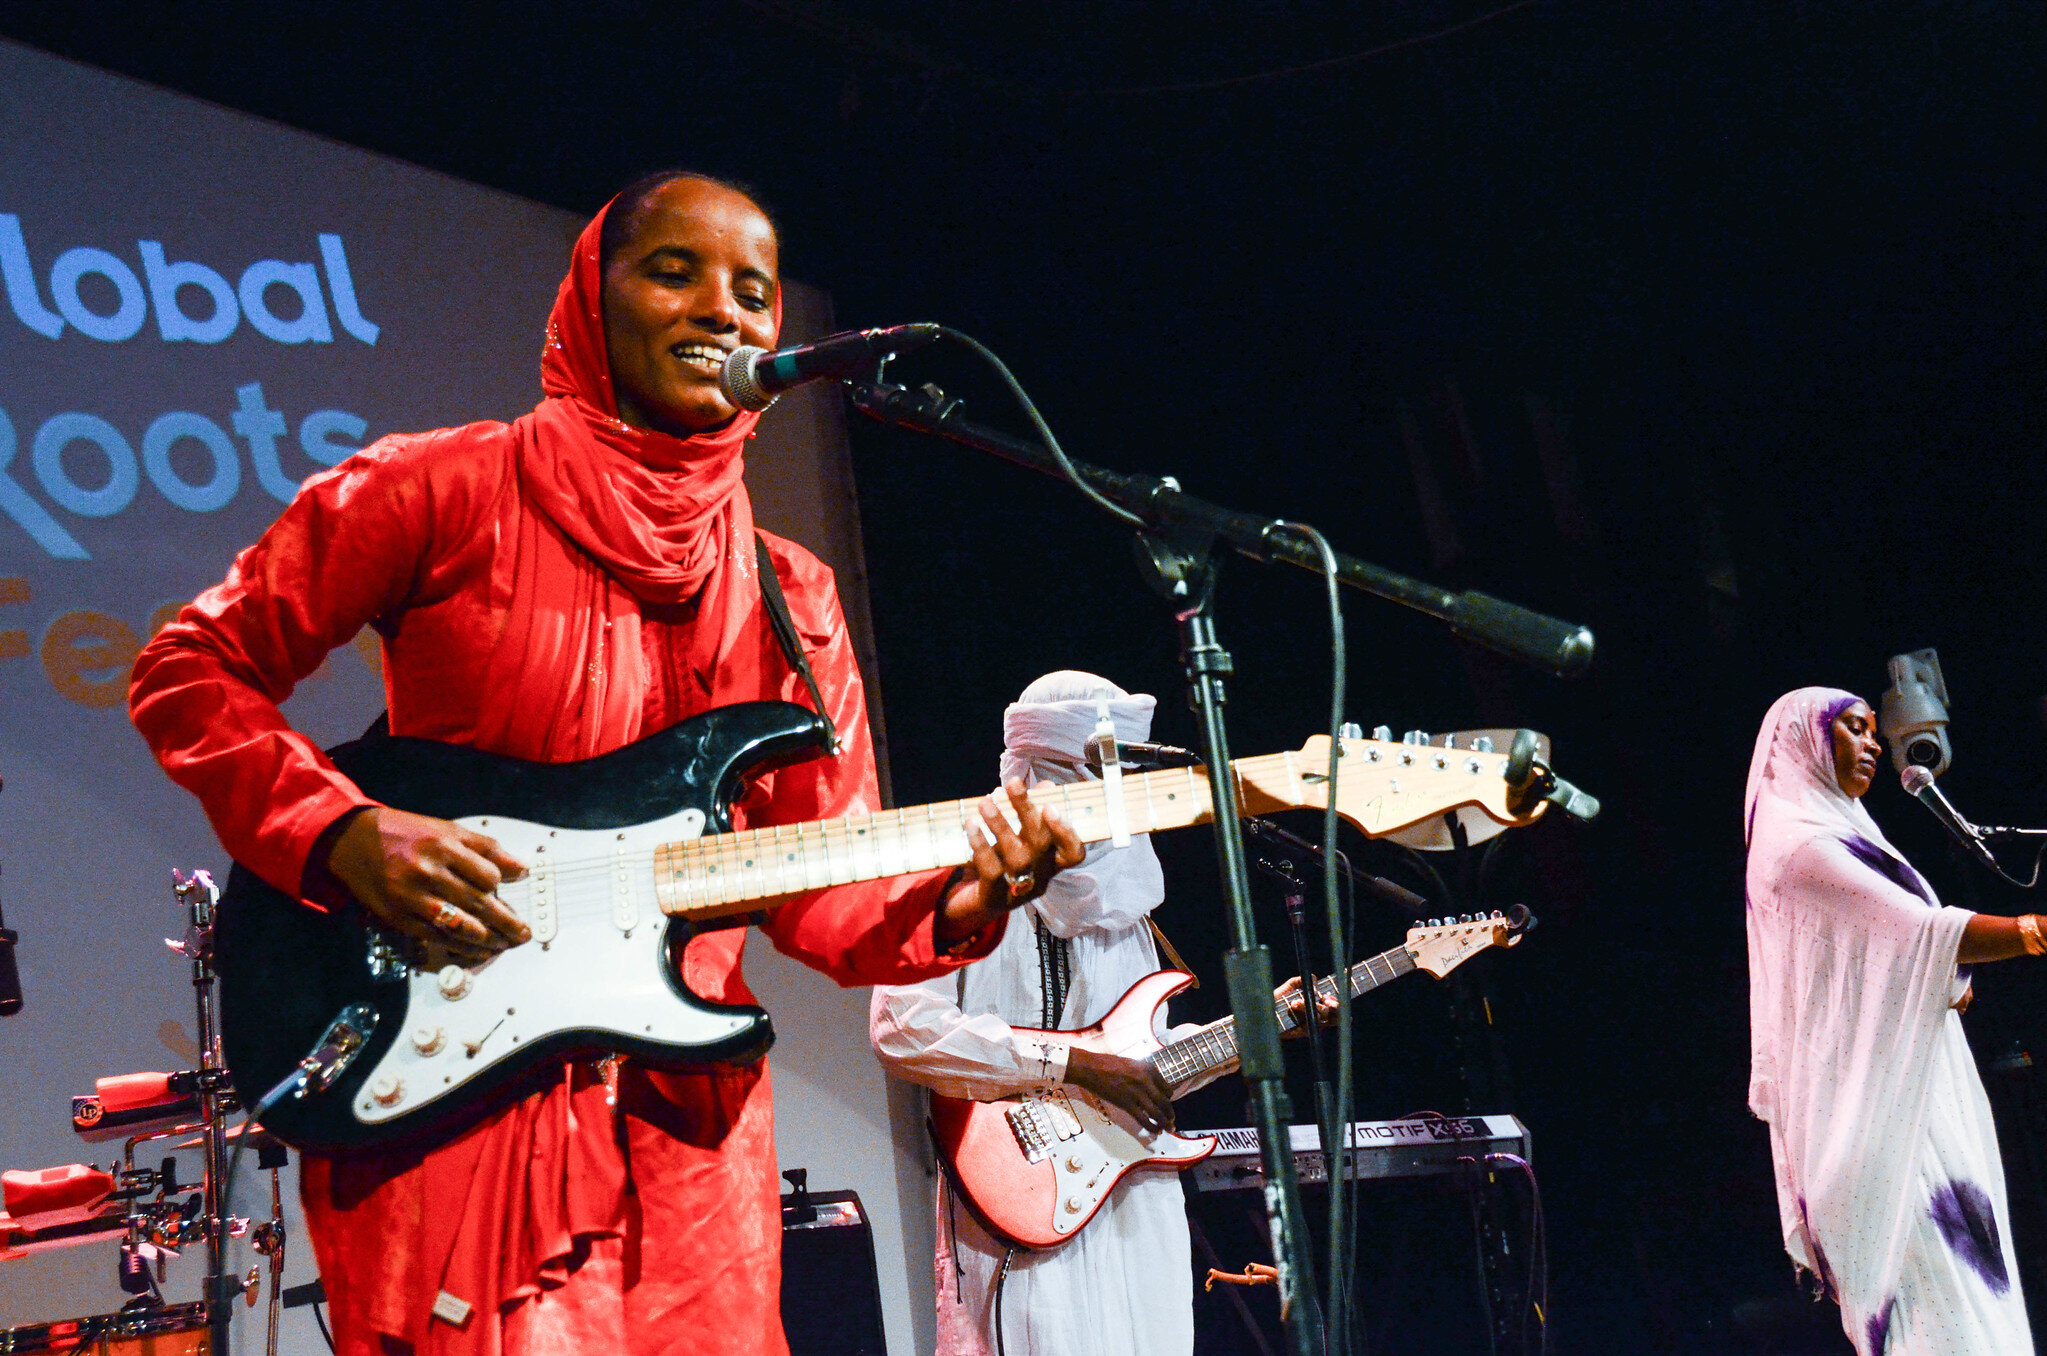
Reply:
x=1124, y=1285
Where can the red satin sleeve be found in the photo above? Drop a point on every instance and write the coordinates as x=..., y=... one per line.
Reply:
x=352, y=547
x=876, y=932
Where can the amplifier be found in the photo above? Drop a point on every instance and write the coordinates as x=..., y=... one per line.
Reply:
x=831, y=1292
x=177, y=1331
x=1417, y=1148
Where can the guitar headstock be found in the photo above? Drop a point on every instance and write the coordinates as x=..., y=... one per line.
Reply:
x=1442, y=944
x=1383, y=786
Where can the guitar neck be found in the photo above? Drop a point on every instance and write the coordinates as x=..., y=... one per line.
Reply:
x=1216, y=1045
x=733, y=872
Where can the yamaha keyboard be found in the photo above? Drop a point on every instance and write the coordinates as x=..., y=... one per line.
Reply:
x=1417, y=1148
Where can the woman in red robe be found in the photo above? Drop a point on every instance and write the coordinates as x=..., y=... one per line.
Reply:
x=554, y=589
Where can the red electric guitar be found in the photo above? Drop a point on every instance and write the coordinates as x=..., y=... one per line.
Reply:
x=1036, y=1167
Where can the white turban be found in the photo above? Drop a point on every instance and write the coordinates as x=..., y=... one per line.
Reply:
x=1044, y=737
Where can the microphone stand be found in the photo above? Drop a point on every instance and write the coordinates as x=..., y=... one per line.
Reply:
x=1557, y=647
x=1176, y=557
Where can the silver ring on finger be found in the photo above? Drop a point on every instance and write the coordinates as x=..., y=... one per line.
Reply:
x=1020, y=882
x=448, y=918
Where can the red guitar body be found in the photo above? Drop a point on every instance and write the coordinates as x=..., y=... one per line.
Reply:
x=1036, y=1167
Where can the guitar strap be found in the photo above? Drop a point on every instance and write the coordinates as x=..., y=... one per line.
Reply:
x=786, y=637
x=1172, y=952
x=1055, y=973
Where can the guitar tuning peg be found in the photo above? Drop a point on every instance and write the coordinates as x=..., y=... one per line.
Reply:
x=1482, y=744
x=1350, y=729
x=1383, y=733
x=1416, y=737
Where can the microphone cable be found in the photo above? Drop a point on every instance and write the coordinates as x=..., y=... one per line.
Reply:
x=1044, y=430
x=1335, y=1152
x=1336, y=1307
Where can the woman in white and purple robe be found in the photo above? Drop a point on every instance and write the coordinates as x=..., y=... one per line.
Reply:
x=1889, y=1184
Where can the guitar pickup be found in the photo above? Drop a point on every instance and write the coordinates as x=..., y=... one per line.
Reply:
x=1040, y=1121
x=625, y=904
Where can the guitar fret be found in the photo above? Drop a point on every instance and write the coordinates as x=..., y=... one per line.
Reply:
x=902, y=847
x=861, y=839
x=720, y=873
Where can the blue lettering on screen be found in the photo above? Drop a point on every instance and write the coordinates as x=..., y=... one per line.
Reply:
x=165, y=433
x=47, y=455
x=127, y=318
x=30, y=516
x=165, y=278
x=87, y=467
x=171, y=282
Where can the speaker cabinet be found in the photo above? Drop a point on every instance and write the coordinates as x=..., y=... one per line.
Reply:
x=831, y=1292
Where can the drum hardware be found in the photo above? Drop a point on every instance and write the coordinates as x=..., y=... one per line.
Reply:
x=154, y=1212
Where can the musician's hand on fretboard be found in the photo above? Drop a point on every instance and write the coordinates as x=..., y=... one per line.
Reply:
x=1018, y=847
x=1132, y=1084
x=1290, y=994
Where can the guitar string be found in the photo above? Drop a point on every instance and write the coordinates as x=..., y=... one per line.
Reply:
x=894, y=835
x=816, y=843
x=1216, y=1045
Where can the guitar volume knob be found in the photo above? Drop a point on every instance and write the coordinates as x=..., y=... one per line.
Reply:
x=428, y=1040
x=388, y=1089
x=1073, y=1205
x=453, y=982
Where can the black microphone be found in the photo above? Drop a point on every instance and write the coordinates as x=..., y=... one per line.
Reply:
x=753, y=377
x=1919, y=782
x=1133, y=754
x=1385, y=891
x=10, y=974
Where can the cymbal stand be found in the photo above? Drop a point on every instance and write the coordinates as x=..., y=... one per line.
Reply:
x=215, y=1221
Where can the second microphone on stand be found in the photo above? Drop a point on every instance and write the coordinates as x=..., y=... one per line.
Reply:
x=1137, y=755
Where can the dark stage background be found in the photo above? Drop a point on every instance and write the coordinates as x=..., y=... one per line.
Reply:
x=1716, y=326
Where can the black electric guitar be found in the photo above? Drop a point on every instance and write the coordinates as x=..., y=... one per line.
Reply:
x=626, y=853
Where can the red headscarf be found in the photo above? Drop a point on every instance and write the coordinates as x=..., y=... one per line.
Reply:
x=661, y=520
x=655, y=510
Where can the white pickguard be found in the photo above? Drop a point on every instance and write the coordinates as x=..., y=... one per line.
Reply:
x=597, y=963
x=1090, y=1147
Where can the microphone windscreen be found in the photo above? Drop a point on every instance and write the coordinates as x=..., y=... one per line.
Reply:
x=1915, y=778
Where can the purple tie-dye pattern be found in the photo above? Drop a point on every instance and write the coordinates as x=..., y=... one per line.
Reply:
x=1880, y=1328
x=1966, y=1219
x=1890, y=868
x=1819, y=1256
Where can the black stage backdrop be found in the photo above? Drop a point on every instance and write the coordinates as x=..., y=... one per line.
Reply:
x=1716, y=326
